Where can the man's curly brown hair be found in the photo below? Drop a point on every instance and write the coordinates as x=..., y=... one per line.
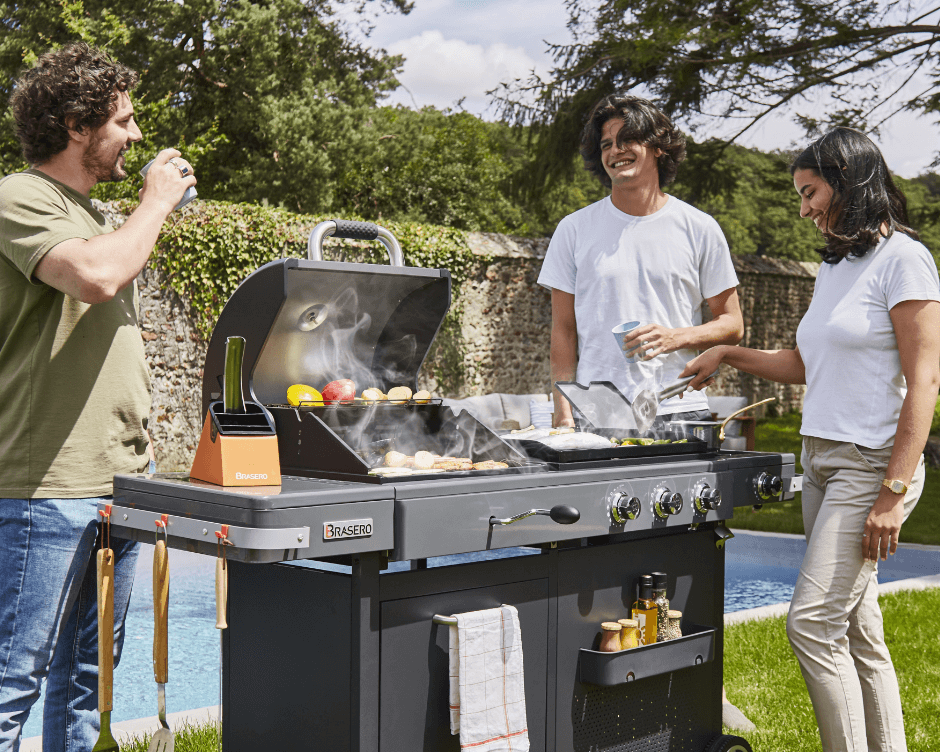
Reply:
x=644, y=123
x=73, y=88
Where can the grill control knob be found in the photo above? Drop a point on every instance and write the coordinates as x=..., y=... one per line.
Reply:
x=768, y=486
x=665, y=503
x=625, y=507
x=706, y=498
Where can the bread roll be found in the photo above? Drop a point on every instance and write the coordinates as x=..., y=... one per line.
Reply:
x=399, y=394
x=395, y=459
x=424, y=460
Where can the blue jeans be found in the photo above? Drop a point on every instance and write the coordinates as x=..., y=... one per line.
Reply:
x=49, y=618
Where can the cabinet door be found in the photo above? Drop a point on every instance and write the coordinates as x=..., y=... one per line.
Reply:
x=414, y=666
x=678, y=711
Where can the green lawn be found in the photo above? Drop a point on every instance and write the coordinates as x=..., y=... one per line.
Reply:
x=763, y=679
x=197, y=738
x=782, y=434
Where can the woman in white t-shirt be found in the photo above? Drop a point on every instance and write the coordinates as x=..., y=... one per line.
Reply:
x=868, y=350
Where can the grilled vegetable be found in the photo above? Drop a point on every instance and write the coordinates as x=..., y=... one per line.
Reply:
x=341, y=390
x=301, y=393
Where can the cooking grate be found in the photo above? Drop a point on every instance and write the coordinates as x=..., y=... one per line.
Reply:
x=359, y=403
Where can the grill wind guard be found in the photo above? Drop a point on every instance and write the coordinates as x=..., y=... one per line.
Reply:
x=343, y=442
x=312, y=322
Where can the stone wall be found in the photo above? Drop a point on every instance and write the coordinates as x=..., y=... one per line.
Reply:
x=502, y=343
x=175, y=353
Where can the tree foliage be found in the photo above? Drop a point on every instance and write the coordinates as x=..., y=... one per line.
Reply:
x=737, y=61
x=452, y=169
x=759, y=210
x=283, y=82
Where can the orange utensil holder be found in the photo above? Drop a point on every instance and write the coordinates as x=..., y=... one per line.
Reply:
x=237, y=449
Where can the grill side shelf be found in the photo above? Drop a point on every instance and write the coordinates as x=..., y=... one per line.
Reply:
x=252, y=538
x=695, y=647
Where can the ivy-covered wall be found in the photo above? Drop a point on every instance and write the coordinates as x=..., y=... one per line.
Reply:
x=495, y=339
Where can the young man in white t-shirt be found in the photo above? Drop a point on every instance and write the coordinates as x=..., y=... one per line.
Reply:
x=637, y=255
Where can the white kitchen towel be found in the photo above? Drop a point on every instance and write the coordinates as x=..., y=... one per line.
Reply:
x=487, y=687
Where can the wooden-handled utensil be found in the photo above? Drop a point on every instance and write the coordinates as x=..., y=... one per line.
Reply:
x=221, y=593
x=106, y=742
x=736, y=413
x=162, y=741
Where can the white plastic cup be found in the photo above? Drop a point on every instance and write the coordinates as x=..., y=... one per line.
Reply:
x=620, y=333
x=540, y=413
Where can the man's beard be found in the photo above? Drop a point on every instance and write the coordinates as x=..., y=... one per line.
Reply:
x=104, y=168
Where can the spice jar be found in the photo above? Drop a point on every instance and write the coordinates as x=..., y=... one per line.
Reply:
x=629, y=633
x=610, y=637
x=660, y=581
x=673, y=624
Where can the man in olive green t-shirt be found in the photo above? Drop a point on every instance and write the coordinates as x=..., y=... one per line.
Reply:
x=74, y=386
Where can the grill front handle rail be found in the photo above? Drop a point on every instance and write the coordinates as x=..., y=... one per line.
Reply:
x=250, y=538
x=561, y=513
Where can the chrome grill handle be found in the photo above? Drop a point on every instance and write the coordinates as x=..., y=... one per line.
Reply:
x=561, y=513
x=358, y=230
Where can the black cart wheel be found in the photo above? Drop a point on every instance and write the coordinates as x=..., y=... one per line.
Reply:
x=725, y=743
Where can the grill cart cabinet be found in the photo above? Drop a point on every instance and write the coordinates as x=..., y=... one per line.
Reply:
x=321, y=659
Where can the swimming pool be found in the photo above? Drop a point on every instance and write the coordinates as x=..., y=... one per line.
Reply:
x=760, y=569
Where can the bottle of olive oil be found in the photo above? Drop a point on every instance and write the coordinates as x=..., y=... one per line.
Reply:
x=645, y=611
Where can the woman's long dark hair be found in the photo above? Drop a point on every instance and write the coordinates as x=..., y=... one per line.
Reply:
x=864, y=197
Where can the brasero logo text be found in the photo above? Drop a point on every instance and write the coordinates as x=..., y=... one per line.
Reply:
x=347, y=529
x=251, y=476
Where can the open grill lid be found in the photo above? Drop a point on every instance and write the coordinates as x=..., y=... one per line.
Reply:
x=312, y=322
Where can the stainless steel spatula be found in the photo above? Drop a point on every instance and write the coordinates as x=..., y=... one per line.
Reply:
x=646, y=403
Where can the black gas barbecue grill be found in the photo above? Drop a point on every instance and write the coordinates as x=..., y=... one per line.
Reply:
x=340, y=641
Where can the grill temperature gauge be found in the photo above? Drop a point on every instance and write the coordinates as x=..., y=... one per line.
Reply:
x=665, y=502
x=624, y=507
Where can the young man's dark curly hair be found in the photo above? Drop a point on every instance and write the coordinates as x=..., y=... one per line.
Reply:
x=73, y=88
x=643, y=123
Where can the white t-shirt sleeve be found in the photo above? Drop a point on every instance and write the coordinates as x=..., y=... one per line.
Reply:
x=559, y=270
x=912, y=277
x=716, y=272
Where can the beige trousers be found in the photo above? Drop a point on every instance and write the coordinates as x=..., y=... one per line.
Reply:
x=835, y=625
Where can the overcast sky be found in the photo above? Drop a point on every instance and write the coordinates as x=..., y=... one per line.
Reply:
x=462, y=48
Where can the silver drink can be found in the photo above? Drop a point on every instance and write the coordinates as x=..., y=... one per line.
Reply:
x=188, y=196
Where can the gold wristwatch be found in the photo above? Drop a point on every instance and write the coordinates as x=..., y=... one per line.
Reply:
x=895, y=486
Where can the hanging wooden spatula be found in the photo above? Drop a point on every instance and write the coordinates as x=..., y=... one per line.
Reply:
x=106, y=742
x=162, y=741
